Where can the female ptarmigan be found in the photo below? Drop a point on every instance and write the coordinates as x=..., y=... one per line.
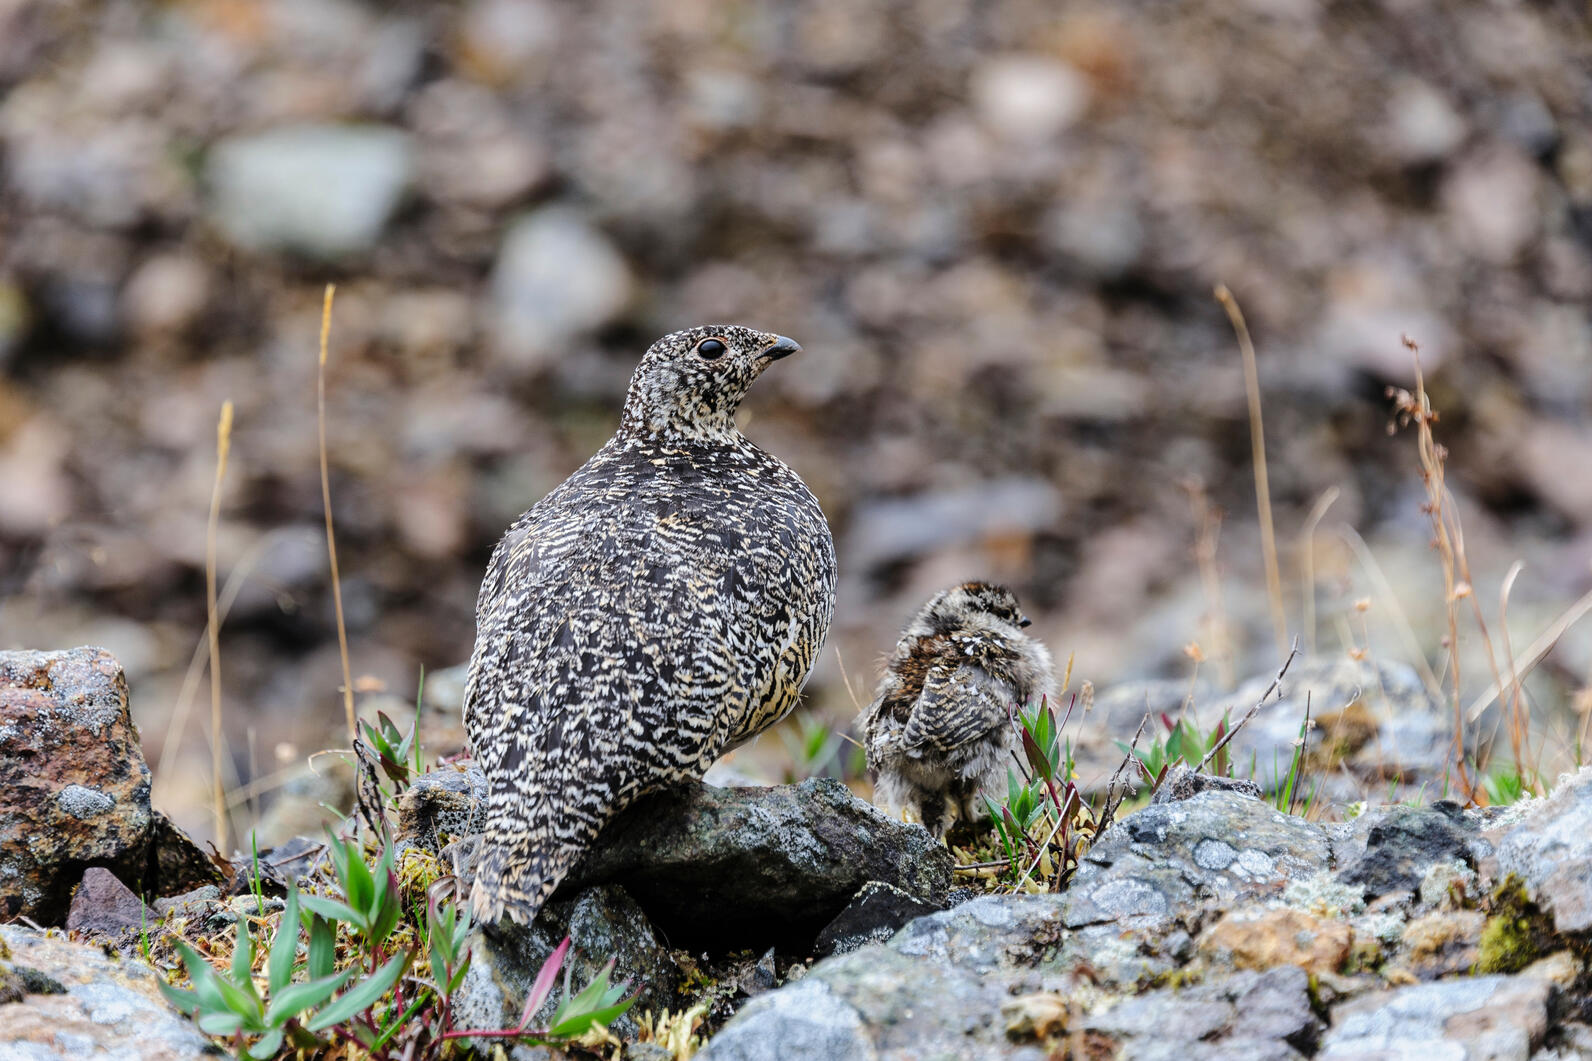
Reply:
x=661, y=606
x=940, y=726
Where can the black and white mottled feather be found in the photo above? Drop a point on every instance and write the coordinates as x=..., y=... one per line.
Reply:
x=940, y=726
x=661, y=606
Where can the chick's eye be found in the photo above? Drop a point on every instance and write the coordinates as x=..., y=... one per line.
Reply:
x=710, y=349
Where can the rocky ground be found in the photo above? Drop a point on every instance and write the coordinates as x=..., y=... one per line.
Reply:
x=798, y=922
x=995, y=227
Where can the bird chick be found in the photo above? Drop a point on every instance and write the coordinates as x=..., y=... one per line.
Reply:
x=659, y=607
x=941, y=723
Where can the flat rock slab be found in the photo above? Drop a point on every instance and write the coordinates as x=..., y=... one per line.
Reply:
x=86, y=1005
x=1497, y=1018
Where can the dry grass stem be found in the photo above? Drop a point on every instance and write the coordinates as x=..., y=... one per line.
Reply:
x=1517, y=711
x=1390, y=600
x=1307, y=561
x=178, y=723
x=1534, y=652
x=1417, y=409
x=326, y=503
x=1257, y=446
x=1208, y=521
x=213, y=625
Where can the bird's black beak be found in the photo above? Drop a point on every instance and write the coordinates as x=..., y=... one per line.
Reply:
x=782, y=347
x=1023, y=620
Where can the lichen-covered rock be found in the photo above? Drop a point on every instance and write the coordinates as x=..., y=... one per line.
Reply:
x=78, y=1003
x=935, y=990
x=725, y=868
x=1266, y=937
x=1551, y=852
x=878, y=912
x=1402, y=844
x=1254, y=1015
x=74, y=788
x=1216, y=847
x=1498, y=1018
x=602, y=923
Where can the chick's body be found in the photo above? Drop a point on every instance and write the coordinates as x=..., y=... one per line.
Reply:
x=662, y=605
x=939, y=730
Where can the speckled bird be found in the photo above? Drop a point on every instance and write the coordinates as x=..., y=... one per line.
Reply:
x=941, y=723
x=661, y=606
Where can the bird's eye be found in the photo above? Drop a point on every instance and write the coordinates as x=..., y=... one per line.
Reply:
x=711, y=349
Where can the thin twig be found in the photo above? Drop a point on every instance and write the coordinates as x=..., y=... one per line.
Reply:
x=213, y=623
x=326, y=503
x=1242, y=722
x=1257, y=447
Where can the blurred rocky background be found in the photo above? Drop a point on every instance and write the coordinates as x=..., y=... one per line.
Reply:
x=995, y=228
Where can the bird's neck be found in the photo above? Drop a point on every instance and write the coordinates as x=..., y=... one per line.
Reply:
x=656, y=419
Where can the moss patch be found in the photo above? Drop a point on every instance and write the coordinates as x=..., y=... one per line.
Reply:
x=1516, y=933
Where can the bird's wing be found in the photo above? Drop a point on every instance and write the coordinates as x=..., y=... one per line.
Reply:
x=960, y=703
x=597, y=674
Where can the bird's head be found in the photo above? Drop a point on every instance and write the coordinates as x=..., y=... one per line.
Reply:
x=974, y=603
x=690, y=383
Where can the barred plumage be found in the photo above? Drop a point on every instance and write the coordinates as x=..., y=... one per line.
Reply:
x=661, y=606
x=940, y=726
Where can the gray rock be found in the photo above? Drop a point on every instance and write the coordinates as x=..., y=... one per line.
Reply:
x=877, y=913
x=1377, y=716
x=104, y=906
x=108, y=1008
x=1551, y=851
x=723, y=869
x=323, y=190
x=74, y=789
x=1181, y=782
x=806, y=1020
x=1218, y=847
x=1403, y=844
x=603, y=923
x=1499, y=1018
x=1251, y=1014
x=728, y=868
x=556, y=277
x=935, y=990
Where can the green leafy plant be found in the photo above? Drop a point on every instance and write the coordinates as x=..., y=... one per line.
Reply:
x=1043, y=825
x=398, y=753
x=228, y=1004
x=1505, y=784
x=599, y=1002
x=813, y=746
x=1182, y=742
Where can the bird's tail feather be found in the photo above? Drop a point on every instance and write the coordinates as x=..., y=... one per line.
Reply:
x=514, y=883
